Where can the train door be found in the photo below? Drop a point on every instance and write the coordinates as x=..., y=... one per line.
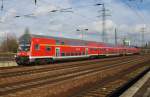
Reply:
x=57, y=52
x=86, y=51
x=99, y=51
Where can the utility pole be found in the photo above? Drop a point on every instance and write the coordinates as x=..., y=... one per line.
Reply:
x=116, y=36
x=142, y=36
x=2, y=6
x=6, y=44
x=104, y=15
x=35, y=1
x=82, y=30
x=104, y=23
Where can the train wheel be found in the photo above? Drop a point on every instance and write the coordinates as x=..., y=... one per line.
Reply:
x=19, y=64
x=37, y=61
x=49, y=61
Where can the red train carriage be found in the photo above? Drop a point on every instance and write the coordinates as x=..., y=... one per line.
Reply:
x=36, y=49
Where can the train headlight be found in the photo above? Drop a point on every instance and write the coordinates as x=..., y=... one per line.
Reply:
x=15, y=56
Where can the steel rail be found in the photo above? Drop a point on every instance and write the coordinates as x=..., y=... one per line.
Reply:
x=60, y=78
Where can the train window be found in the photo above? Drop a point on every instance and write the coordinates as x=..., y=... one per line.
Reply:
x=72, y=54
x=83, y=53
x=62, y=43
x=76, y=54
x=79, y=53
x=95, y=49
x=68, y=54
x=104, y=49
x=57, y=42
x=37, y=47
x=62, y=54
x=48, y=48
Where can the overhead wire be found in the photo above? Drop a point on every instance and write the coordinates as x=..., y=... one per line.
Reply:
x=75, y=13
x=137, y=12
x=62, y=10
x=85, y=18
x=134, y=11
x=138, y=7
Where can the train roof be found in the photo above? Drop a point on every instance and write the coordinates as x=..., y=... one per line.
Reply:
x=68, y=39
x=27, y=38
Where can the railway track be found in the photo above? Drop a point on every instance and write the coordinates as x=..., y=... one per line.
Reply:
x=22, y=67
x=51, y=71
x=32, y=67
x=16, y=71
x=26, y=76
x=66, y=73
x=113, y=86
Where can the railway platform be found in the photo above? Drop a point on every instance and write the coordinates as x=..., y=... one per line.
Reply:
x=7, y=63
x=140, y=89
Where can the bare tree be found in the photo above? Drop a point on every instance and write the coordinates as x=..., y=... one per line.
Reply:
x=9, y=44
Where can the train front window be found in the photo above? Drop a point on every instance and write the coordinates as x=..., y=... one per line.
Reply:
x=25, y=47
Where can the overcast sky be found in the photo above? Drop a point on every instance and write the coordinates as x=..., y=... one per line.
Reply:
x=127, y=16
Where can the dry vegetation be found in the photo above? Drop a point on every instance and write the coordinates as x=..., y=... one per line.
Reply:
x=9, y=44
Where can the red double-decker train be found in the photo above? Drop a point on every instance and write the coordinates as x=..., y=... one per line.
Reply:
x=37, y=49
